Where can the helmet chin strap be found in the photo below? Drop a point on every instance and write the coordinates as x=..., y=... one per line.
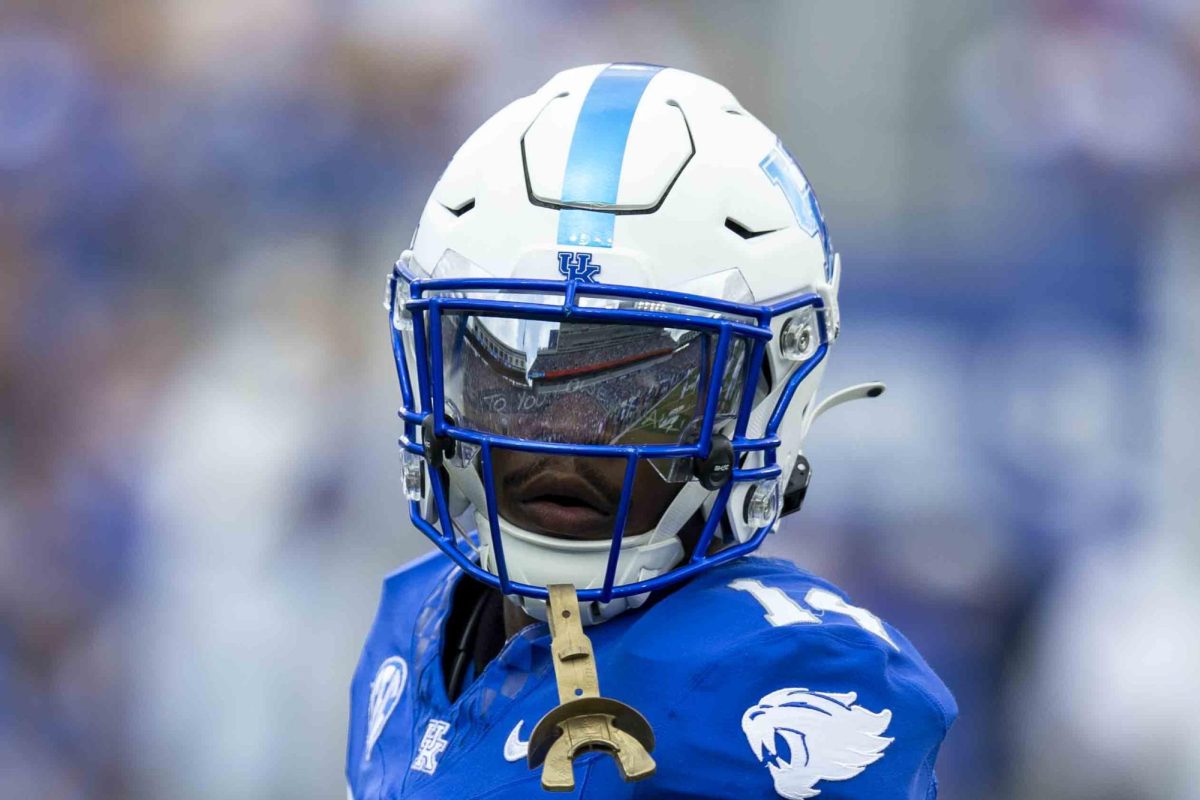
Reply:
x=542, y=560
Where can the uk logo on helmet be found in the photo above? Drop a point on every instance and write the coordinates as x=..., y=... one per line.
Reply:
x=577, y=266
x=785, y=173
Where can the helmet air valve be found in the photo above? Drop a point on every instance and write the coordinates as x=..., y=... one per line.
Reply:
x=583, y=721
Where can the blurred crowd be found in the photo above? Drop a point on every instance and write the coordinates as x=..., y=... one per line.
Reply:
x=198, y=486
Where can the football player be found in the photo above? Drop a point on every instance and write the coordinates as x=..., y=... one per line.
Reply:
x=609, y=331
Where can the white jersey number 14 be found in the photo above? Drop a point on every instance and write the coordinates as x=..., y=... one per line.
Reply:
x=782, y=609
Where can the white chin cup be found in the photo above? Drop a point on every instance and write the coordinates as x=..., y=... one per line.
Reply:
x=541, y=560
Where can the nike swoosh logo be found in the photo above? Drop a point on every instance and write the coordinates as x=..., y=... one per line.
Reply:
x=514, y=748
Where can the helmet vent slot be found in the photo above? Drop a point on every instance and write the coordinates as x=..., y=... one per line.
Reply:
x=462, y=209
x=744, y=232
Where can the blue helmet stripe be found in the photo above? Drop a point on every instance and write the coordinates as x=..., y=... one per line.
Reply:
x=597, y=150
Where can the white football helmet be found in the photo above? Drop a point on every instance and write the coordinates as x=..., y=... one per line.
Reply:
x=624, y=265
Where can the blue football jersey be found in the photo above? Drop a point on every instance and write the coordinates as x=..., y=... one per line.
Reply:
x=760, y=681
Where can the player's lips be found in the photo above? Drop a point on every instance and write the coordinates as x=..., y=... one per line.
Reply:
x=564, y=505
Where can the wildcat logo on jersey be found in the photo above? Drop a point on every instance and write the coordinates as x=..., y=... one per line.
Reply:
x=805, y=737
x=385, y=694
x=577, y=266
x=433, y=744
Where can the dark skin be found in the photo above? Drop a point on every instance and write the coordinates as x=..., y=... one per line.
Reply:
x=573, y=497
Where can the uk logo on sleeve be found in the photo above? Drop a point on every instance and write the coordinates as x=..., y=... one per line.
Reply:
x=804, y=737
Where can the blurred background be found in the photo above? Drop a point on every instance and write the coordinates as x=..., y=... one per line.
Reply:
x=199, y=488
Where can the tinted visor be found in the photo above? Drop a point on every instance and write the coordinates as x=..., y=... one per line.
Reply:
x=585, y=383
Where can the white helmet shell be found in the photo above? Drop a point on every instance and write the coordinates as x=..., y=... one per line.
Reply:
x=664, y=181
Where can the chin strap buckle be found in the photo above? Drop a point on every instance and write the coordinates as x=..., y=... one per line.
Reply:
x=584, y=721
